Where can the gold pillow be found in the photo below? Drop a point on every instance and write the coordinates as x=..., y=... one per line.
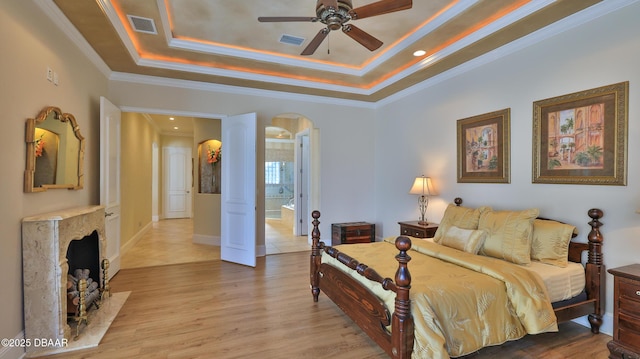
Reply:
x=468, y=240
x=461, y=217
x=550, y=242
x=508, y=234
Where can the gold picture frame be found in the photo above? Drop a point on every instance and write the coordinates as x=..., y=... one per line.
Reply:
x=581, y=138
x=483, y=148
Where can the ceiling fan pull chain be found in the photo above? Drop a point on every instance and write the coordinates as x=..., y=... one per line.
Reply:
x=329, y=44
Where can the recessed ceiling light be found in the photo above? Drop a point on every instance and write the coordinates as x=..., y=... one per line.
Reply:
x=175, y=128
x=171, y=118
x=419, y=53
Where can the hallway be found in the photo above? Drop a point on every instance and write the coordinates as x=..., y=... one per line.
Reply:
x=169, y=242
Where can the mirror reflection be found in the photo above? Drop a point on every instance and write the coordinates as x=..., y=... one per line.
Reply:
x=55, y=151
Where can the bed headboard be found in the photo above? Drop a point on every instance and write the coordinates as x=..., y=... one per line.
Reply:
x=594, y=238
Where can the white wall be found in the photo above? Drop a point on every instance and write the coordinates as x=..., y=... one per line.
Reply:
x=30, y=44
x=417, y=134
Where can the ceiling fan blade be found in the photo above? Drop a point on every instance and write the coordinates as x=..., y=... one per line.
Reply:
x=362, y=37
x=330, y=3
x=317, y=40
x=287, y=19
x=380, y=7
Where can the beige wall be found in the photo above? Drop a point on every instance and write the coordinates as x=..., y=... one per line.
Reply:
x=138, y=136
x=30, y=44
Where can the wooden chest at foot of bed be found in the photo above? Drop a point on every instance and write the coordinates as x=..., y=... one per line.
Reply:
x=626, y=313
x=352, y=232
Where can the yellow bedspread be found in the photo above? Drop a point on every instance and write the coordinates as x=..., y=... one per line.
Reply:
x=460, y=302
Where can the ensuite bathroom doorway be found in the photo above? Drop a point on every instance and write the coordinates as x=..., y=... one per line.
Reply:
x=286, y=185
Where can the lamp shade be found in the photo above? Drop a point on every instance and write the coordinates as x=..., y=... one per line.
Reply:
x=423, y=186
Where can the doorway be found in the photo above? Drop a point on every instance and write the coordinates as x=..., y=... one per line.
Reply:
x=151, y=116
x=286, y=184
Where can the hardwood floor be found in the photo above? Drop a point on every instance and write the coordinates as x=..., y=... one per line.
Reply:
x=280, y=239
x=170, y=242
x=215, y=309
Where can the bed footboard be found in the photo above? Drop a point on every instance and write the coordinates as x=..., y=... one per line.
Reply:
x=358, y=302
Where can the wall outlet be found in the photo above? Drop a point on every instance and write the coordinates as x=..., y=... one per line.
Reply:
x=56, y=80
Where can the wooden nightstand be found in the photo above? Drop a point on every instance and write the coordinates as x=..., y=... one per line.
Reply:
x=414, y=229
x=626, y=313
x=352, y=232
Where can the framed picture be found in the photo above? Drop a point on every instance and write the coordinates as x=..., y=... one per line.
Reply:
x=483, y=148
x=581, y=138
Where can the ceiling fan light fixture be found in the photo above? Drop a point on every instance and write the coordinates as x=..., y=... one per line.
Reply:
x=332, y=17
x=336, y=14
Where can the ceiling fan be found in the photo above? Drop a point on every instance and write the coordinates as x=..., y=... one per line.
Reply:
x=336, y=13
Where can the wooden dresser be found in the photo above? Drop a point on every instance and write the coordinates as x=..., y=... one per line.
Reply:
x=352, y=232
x=626, y=313
x=415, y=229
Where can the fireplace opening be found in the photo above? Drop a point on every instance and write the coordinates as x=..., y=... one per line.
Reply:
x=85, y=254
x=83, y=259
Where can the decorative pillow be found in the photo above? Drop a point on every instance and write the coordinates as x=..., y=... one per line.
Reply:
x=461, y=217
x=467, y=240
x=550, y=242
x=508, y=234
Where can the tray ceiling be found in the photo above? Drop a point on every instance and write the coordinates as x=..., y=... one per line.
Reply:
x=221, y=41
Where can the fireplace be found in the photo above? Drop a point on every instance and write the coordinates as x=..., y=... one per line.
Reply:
x=83, y=261
x=53, y=246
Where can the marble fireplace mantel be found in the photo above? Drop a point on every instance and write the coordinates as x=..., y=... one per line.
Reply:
x=45, y=239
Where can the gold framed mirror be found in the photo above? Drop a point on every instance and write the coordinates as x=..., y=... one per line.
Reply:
x=55, y=152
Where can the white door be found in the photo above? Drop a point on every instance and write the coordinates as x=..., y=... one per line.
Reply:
x=110, y=117
x=177, y=182
x=238, y=190
x=301, y=178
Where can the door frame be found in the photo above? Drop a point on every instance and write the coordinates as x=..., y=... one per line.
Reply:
x=110, y=162
x=302, y=183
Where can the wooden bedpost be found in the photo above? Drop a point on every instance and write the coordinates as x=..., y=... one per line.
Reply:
x=402, y=320
x=316, y=252
x=595, y=273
